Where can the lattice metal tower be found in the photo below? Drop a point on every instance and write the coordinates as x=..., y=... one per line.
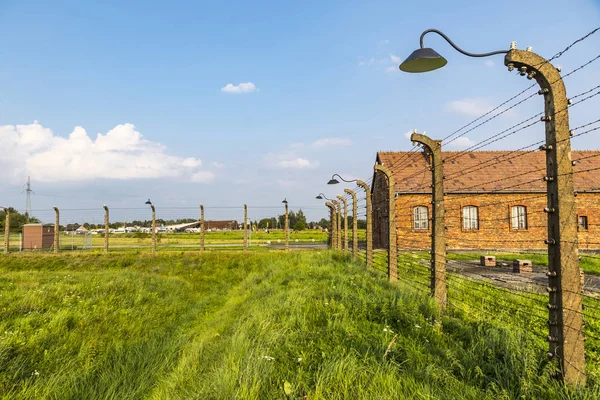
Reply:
x=28, y=201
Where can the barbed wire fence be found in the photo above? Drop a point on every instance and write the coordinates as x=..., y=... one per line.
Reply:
x=177, y=228
x=499, y=260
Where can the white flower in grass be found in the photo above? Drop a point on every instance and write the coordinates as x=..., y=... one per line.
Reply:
x=417, y=326
x=269, y=358
x=35, y=373
x=299, y=359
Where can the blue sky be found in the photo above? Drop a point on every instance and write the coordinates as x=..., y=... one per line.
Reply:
x=322, y=93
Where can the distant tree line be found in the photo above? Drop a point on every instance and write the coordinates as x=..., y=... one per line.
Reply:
x=297, y=221
x=17, y=220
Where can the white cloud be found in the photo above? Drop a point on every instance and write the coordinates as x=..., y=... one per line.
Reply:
x=473, y=107
x=489, y=63
x=395, y=59
x=247, y=87
x=121, y=153
x=297, y=145
x=202, y=177
x=408, y=134
x=461, y=142
x=218, y=165
x=297, y=163
x=327, y=142
x=392, y=68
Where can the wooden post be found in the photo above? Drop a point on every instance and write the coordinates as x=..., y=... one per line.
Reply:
x=56, y=229
x=201, y=227
x=566, y=340
x=369, y=232
x=438, y=237
x=393, y=246
x=6, y=229
x=106, y=228
x=345, y=241
x=354, y=223
x=245, y=227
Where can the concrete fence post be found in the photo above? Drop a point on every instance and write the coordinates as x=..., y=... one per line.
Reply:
x=56, y=229
x=287, y=228
x=6, y=229
x=354, y=223
x=332, y=223
x=345, y=220
x=438, y=237
x=201, y=227
x=338, y=233
x=566, y=340
x=393, y=245
x=106, y=228
x=153, y=229
x=245, y=227
x=369, y=217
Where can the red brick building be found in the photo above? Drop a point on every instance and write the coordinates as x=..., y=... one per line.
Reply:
x=493, y=199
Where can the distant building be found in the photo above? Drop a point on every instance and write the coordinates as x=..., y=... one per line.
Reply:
x=493, y=199
x=81, y=230
x=37, y=236
x=221, y=225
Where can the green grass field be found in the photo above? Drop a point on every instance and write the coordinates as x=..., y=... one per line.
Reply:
x=589, y=263
x=267, y=325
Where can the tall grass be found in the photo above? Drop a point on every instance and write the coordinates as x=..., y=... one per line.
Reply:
x=247, y=326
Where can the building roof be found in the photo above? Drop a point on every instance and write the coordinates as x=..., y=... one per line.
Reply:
x=488, y=171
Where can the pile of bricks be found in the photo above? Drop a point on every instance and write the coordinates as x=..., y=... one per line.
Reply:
x=520, y=266
x=487, y=261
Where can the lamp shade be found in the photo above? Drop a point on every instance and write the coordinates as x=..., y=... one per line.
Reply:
x=333, y=182
x=319, y=197
x=148, y=202
x=423, y=60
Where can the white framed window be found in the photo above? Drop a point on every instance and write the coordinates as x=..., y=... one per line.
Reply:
x=518, y=217
x=470, y=218
x=421, y=217
x=582, y=222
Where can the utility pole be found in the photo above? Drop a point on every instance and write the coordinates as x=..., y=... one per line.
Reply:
x=28, y=199
x=438, y=239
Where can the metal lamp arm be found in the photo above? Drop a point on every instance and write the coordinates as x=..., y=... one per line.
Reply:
x=334, y=175
x=325, y=197
x=466, y=53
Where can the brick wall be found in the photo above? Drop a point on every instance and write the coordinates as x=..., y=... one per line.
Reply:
x=494, y=214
